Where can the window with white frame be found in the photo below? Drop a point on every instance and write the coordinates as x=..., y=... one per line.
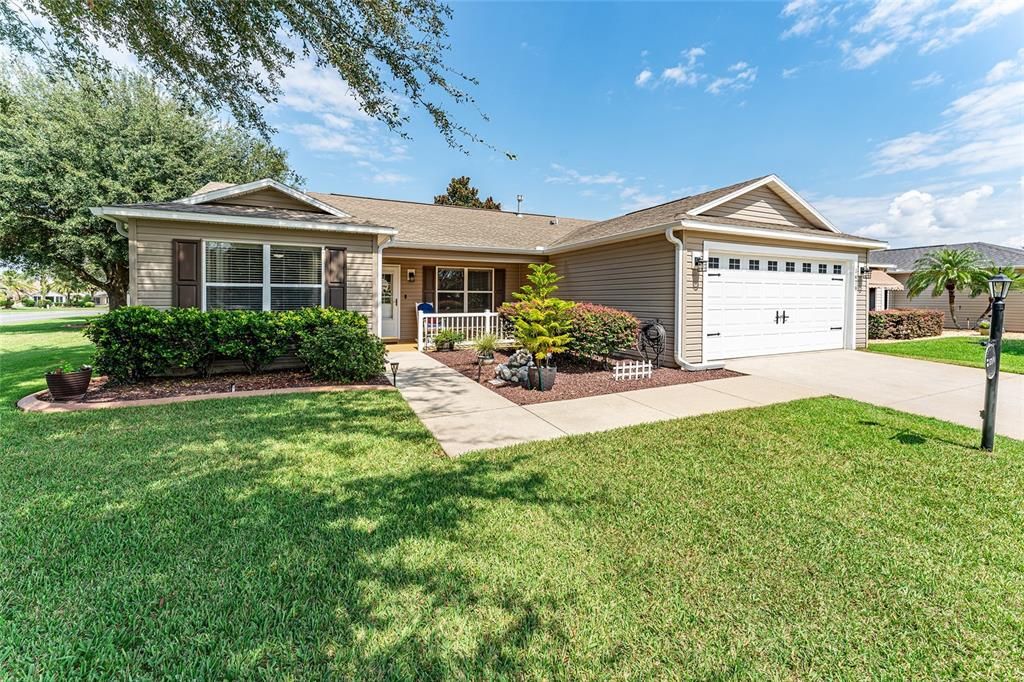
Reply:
x=465, y=290
x=248, y=276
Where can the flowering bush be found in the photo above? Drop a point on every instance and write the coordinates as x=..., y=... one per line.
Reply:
x=601, y=331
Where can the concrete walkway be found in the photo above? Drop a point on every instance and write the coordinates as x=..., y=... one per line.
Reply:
x=465, y=416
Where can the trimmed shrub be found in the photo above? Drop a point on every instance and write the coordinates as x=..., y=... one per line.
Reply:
x=255, y=338
x=6, y=302
x=299, y=323
x=28, y=302
x=131, y=343
x=600, y=331
x=904, y=324
x=191, y=339
x=343, y=353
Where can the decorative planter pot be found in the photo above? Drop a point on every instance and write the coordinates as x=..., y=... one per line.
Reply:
x=983, y=331
x=69, y=385
x=542, y=378
x=444, y=345
x=486, y=359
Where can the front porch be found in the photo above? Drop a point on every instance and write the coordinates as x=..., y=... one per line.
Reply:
x=463, y=291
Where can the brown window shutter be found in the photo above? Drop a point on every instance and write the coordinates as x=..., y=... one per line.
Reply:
x=499, y=287
x=429, y=283
x=185, y=289
x=336, y=279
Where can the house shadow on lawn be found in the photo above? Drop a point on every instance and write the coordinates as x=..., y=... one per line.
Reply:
x=321, y=535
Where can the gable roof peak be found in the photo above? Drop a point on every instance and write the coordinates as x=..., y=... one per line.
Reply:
x=227, y=191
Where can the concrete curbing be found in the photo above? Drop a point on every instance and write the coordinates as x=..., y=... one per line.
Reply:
x=32, y=403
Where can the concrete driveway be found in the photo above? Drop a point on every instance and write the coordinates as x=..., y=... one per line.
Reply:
x=932, y=389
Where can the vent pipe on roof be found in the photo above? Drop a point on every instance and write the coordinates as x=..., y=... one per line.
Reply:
x=519, y=204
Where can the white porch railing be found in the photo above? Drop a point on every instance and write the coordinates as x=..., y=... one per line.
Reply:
x=471, y=325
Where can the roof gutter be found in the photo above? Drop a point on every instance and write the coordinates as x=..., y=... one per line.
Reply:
x=677, y=351
x=113, y=213
x=765, y=233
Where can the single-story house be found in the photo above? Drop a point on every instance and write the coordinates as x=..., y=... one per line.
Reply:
x=743, y=270
x=897, y=265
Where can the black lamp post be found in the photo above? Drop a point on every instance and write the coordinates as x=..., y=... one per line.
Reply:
x=998, y=287
x=394, y=374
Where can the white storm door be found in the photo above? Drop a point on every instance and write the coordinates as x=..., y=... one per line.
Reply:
x=390, y=297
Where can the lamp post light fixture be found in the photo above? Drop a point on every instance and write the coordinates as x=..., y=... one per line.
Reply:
x=998, y=287
x=394, y=374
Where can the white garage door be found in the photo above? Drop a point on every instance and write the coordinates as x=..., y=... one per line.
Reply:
x=761, y=304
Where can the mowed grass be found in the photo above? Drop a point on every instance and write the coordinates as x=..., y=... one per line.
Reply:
x=324, y=535
x=956, y=350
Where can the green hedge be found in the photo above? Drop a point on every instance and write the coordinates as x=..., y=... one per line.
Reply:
x=904, y=324
x=135, y=342
x=596, y=331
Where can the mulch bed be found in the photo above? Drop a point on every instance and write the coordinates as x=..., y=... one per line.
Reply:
x=573, y=380
x=100, y=391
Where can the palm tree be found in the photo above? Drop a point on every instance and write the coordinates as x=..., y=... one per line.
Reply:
x=980, y=285
x=14, y=284
x=946, y=269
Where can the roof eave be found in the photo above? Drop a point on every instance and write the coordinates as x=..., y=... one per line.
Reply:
x=763, y=232
x=257, y=185
x=114, y=213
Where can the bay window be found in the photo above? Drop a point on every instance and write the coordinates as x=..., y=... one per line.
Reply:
x=465, y=290
x=247, y=276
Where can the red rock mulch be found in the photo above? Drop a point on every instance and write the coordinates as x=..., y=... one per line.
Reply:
x=573, y=381
x=168, y=387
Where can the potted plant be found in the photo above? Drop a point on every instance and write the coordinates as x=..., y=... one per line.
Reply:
x=542, y=324
x=67, y=383
x=485, y=347
x=446, y=339
x=984, y=326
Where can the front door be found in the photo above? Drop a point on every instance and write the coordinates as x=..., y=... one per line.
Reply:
x=390, y=296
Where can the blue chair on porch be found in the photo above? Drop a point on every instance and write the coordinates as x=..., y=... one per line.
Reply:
x=429, y=328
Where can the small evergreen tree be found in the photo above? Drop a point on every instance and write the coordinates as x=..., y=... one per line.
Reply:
x=543, y=322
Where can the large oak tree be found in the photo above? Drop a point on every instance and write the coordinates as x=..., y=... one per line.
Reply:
x=231, y=54
x=67, y=146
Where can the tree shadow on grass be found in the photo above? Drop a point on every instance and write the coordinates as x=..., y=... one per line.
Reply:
x=311, y=536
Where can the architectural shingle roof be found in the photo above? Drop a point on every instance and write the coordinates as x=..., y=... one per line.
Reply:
x=904, y=259
x=456, y=225
x=252, y=212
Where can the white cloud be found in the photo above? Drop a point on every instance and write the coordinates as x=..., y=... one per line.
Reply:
x=928, y=81
x=685, y=73
x=983, y=133
x=744, y=77
x=1008, y=68
x=643, y=78
x=635, y=199
x=878, y=28
x=571, y=176
x=866, y=55
x=389, y=178
x=920, y=216
x=790, y=73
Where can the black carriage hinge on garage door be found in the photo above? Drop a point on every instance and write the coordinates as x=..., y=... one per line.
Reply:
x=838, y=279
x=834, y=329
x=715, y=334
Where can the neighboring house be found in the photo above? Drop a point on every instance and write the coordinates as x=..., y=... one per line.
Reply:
x=747, y=269
x=899, y=264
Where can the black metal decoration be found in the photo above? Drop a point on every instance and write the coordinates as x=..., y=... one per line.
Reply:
x=394, y=374
x=652, y=341
x=998, y=287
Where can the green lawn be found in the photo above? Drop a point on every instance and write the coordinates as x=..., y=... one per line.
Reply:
x=323, y=535
x=956, y=350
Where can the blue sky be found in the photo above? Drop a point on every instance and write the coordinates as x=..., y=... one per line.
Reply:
x=903, y=121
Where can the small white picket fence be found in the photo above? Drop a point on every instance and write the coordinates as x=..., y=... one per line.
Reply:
x=625, y=370
x=471, y=325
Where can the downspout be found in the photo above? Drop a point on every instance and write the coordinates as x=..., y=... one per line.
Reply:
x=119, y=226
x=678, y=333
x=379, y=308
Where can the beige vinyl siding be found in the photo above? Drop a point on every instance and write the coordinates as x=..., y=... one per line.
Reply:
x=152, y=263
x=412, y=292
x=636, y=276
x=761, y=205
x=693, y=287
x=268, y=198
x=968, y=309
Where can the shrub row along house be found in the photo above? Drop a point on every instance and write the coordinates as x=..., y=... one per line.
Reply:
x=743, y=270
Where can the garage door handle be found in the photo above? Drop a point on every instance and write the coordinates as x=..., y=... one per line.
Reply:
x=838, y=279
x=835, y=329
x=776, y=317
x=715, y=334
